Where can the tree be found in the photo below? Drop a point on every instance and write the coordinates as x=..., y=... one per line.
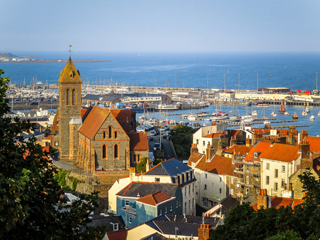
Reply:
x=141, y=166
x=181, y=137
x=302, y=222
x=30, y=197
x=157, y=161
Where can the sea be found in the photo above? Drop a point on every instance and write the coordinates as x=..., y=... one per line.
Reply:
x=294, y=70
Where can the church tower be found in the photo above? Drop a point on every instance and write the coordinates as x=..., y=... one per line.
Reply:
x=69, y=111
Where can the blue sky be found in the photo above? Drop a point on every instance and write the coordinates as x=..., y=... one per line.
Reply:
x=160, y=25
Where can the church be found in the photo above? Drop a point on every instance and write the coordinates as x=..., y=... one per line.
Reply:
x=94, y=139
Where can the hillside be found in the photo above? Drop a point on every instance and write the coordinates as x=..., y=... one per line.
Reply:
x=7, y=55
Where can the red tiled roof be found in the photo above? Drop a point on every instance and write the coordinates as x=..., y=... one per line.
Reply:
x=154, y=198
x=281, y=152
x=234, y=133
x=277, y=202
x=314, y=143
x=194, y=158
x=219, y=165
x=117, y=235
x=83, y=111
x=214, y=135
x=123, y=117
x=93, y=121
x=138, y=141
x=260, y=147
x=242, y=149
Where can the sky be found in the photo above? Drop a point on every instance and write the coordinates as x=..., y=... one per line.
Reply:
x=160, y=25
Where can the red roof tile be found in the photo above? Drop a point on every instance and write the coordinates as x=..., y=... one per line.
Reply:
x=219, y=165
x=214, y=135
x=138, y=141
x=281, y=152
x=154, y=198
x=194, y=158
x=260, y=147
x=123, y=117
x=314, y=143
x=117, y=235
x=242, y=149
x=277, y=202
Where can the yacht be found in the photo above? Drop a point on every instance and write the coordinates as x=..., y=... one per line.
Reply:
x=307, y=110
x=312, y=117
x=304, y=113
x=254, y=113
x=319, y=114
x=282, y=109
x=273, y=114
x=294, y=116
x=167, y=107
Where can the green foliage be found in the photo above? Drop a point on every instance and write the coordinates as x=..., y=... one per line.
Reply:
x=75, y=182
x=60, y=177
x=30, y=196
x=181, y=137
x=141, y=166
x=157, y=161
x=302, y=222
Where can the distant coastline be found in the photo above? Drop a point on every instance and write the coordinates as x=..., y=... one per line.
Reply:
x=57, y=61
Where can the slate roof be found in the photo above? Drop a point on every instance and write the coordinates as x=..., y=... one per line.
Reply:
x=98, y=220
x=154, y=198
x=169, y=168
x=155, y=236
x=225, y=205
x=281, y=152
x=167, y=224
x=146, y=188
x=138, y=141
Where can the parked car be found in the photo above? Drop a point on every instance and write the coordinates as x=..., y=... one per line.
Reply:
x=165, y=128
x=34, y=103
x=150, y=138
x=156, y=146
x=153, y=133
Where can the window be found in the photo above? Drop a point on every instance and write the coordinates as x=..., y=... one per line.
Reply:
x=197, y=141
x=165, y=210
x=206, y=176
x=56, y=143
x=268, y=166
x=115, y=151
x=220, y=190
x=130, y=219
x=276, y=173
x=193, y=187
x=185, y=207
x=157, y=179
x=205, y=186
x=177, y=204
x=247, y=179
x=68, y=96
x=160, y=212
x=115, y=226
x=189, y=189
x=282, y=183
x=275, y=186
x=115, y=135
x=170, y=207
x=267, y=180
x=283, y=169
x=192, y=203
x=104, y=135
x=220, y=179
x=189, y=204
x=204, y=143
x=134, y=158
x=185, y=191
x=73, y=97
x=110, y=131
x=205, y=202
x=231, y=180
x=127, y=202
x=231, y=191
x=104, y=152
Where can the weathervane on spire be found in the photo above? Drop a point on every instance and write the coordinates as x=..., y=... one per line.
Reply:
x=70, y=51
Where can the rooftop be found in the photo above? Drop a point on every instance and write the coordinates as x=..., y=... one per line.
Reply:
x=169, y=168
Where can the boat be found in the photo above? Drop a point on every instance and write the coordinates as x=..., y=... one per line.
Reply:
x=294, y=116
x=266, y=122
x=192, y=117
x=254, y=113
x=273, y=114
x=262, y=105
x=286, y=113
x=168, y=107
x=304, y=113
x=319, y=114
x=282, y=109
x=312, y=117
x=234, y=118
x=307, y=110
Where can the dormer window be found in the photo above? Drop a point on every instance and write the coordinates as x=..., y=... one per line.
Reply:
x=256, y=154
x=115, y=226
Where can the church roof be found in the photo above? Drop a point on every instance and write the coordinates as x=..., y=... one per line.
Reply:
x=93, y=121
x=138, y=141
x=70, y=74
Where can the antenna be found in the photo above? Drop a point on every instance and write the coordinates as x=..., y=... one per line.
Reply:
x=70, y=46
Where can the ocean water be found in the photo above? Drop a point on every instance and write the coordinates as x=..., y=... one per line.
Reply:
x=293, y=70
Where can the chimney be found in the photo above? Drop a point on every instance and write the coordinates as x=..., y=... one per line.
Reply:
x=233, y=141
x=304, y=149
x=248, y=142
x=291, y=139
x=194, y=149
x=303, y=134
x=132, y=173
x=262, y=199
x=209, y=152
x=148, y=165
x=204, y=231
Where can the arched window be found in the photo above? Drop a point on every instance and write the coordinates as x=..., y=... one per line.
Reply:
x=104, y=151
x=68, y=95
x=115, y=135
x=116, y=151
x=104, y=134
x=110, y=131
x=73, y=97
